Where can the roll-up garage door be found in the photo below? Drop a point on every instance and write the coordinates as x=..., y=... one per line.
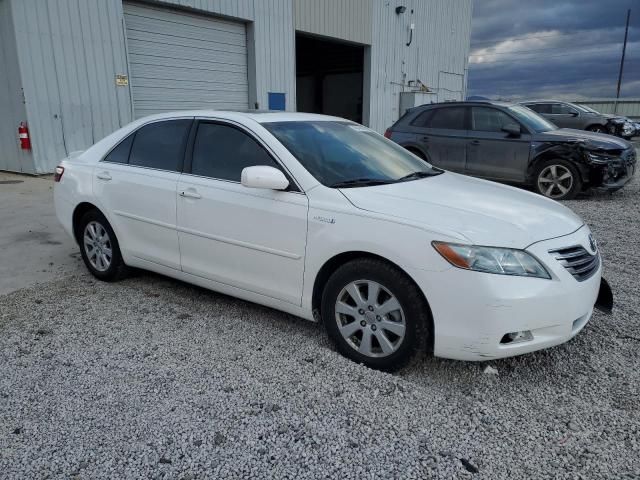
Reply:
x=182, y=61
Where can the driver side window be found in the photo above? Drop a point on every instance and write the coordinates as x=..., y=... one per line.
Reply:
x=486, y=119
x=561, y=109
x=222, y=152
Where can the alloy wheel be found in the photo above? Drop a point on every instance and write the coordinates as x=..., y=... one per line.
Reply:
x=370, y=318
x=555, y=181
x=97, y=246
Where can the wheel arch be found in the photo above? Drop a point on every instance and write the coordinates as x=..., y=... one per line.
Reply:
x=558, y=152
x=332, y=264
x=78, y=213
x=417, y=150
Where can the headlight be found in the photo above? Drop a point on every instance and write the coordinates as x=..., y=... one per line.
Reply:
x=503, y=261
x=599, y=157
x=627, y=129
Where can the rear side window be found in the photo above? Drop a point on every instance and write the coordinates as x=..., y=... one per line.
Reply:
x=450, y=118
x=222, y=152
x=489, y=119
x=540, y=107
x=423, y=119
x=120, y=154
x=160, y=145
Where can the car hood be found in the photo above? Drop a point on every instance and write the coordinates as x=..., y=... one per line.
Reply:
x=483, y=212
x=591, y=140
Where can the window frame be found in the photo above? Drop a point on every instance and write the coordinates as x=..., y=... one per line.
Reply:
x=293, y=187
x=133, y=134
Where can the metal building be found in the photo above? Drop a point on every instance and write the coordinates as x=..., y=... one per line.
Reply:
x=76, y=70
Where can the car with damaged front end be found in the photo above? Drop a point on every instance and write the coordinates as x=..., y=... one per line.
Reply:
x=510, y=143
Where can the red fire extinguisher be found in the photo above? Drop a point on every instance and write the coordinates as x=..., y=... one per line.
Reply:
x=23, y=135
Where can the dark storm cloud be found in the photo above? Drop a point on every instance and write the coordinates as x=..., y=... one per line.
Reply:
x=561, y=48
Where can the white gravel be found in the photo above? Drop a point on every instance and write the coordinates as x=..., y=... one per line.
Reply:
x=152, y=378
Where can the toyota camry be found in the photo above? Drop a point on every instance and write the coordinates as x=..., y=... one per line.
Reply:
x=325, y=219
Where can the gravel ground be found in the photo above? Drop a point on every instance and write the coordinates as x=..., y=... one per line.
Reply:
x=153, y=378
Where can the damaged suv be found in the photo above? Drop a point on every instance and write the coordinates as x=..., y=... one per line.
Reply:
x=510, y=143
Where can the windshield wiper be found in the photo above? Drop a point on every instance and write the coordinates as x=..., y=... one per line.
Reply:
x=421, y=174
x=359, y=182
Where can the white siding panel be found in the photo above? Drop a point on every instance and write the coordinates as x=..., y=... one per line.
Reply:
x=12, y=107
x=179, y=60
x=343, y=19
x=72, y=51
x=437, y=55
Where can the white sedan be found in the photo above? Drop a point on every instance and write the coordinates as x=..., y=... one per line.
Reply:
x=325, y=219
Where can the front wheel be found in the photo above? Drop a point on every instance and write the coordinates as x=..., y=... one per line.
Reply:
x=558, y=179
x=375, y=314
x=99, y=247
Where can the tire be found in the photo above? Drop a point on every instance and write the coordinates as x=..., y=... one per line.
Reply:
x=97, y=239
x=596, y=129
x=551, y=181
x=403, y=331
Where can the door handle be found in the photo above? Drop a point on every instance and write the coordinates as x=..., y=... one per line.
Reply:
x=425, y=139
x=475, y=142
x=190, y=194
x=104, y=176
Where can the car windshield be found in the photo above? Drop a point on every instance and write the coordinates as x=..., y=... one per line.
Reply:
x=531, y=119
x=345, y=154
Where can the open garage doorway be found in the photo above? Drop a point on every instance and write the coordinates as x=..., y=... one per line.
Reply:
x=329, y=77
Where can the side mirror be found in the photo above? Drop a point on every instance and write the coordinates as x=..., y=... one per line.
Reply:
x=263, y=176
x=512, y=129
x=574, y=114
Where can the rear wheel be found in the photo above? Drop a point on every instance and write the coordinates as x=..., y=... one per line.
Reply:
x=558, y=179
x=99, y=247
x=375, y=314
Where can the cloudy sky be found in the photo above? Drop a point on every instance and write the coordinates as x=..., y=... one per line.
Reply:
x=553, y=48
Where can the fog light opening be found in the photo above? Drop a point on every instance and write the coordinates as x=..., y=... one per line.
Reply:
x=516, y=337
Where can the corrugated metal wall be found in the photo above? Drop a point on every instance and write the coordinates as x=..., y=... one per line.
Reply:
x=437, y=55
x=12, y=109
x=627, y=107
x=344, y=19
x=77, y=47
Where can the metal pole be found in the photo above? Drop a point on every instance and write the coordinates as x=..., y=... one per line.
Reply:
x=624, y=50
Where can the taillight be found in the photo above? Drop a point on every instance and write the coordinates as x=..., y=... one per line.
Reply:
x=57, y=176
x=387, y=133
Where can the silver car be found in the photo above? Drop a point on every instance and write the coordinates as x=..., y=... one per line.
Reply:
x=581, y=117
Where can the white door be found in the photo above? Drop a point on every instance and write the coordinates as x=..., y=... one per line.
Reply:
x=180, y=60
x=253, y=239
x=136, y=183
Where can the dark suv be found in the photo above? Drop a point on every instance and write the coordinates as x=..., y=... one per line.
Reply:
x=510, y=143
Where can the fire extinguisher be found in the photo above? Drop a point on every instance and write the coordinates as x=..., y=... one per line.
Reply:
x=23, y=135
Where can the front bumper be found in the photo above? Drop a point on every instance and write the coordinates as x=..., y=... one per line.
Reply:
x=474, y=312
x=616, y=174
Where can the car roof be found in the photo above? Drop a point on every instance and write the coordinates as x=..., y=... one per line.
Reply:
x=497, y=103
x=260, y=116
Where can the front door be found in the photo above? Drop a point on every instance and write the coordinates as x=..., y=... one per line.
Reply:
x=493, y=153
x=249, y=238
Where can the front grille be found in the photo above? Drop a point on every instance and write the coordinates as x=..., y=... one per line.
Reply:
x=578, y=262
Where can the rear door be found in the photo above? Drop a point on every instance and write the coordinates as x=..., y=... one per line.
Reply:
x=493, y=153
x=249, y=238
x=136, y=184
x=442, y=133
